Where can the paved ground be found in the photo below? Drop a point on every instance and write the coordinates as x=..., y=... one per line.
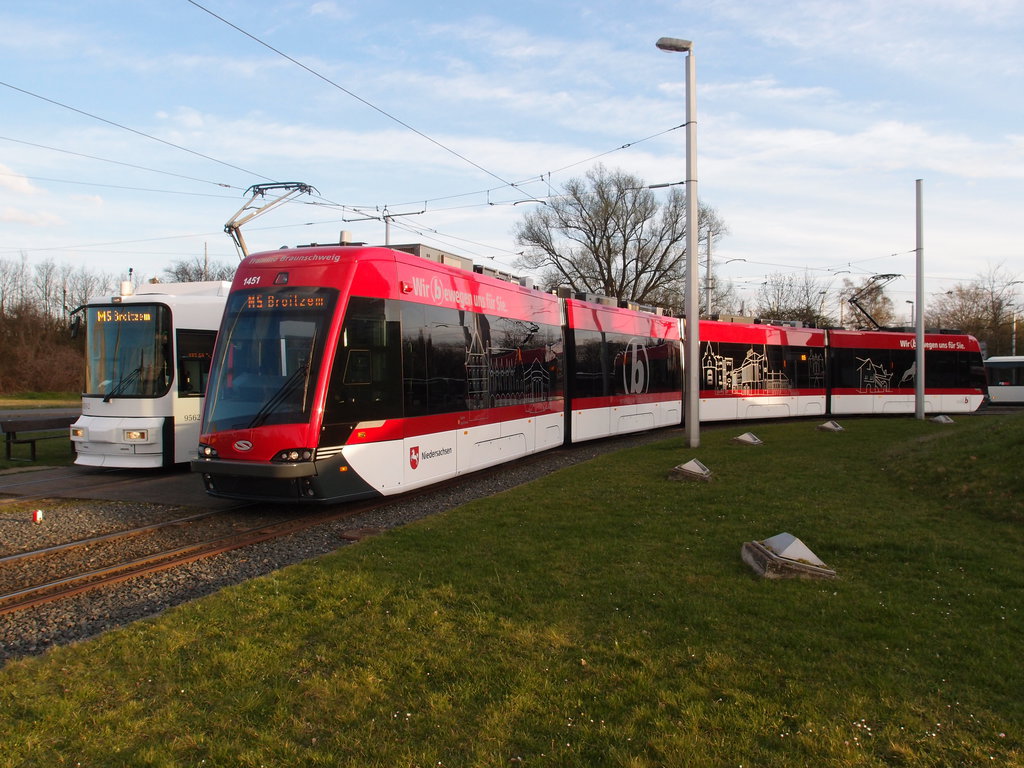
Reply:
x=175, y=486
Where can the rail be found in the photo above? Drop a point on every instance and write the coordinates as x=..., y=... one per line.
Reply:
x=76, y=583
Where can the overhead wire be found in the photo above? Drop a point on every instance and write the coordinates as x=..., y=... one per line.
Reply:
x=113, y=186
x=133, y=130
x=326, y=201
x=355, y=96
x=541, y=177
x=362, y=209
x=418, y=132
x=380, y=212
x=118, y=162
x=429, y=233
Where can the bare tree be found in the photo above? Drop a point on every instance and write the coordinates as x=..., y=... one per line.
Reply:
x=46, y=288
x=786, y=296
x=37, y=352
x=13, y=285
x=870, y=294
x=198, y=269
x=985, y=308
x=80, y=285
x=608, y=234
x=724, y=298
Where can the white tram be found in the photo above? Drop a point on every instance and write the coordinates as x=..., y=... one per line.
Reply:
x=147, y=360
x=1005, y=379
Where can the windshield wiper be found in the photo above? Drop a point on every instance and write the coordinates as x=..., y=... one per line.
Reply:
x=123, y=383
x=296, y=376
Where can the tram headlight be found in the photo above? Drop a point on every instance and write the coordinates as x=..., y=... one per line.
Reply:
x=207, y=451
x=294, y=454
x=135, y=435
x=78, y=432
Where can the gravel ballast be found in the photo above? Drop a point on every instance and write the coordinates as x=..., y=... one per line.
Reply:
x=35, y=630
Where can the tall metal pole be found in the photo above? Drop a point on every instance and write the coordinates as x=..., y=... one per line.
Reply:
x=707, y=277
x=919, y=308
x=691, y=303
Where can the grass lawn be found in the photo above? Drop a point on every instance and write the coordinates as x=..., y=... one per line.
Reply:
x=41, y=400
x=49, y=453
x=600, y=617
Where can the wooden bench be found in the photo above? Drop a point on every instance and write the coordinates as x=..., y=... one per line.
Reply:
x=12, y=428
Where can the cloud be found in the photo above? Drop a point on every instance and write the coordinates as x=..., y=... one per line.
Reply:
x=764, y=88
x=37, y=39
x=34, y=218
x=330, y=10
x=931, y=39
x=16, y=182
x=879, y=147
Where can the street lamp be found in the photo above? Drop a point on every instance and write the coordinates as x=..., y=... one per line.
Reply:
x=1013, y=320
x=691, y=307
x=1013, y=335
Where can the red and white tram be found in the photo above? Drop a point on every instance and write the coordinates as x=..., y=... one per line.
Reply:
x=351, y=371
x=875, y=372
x=343, y=372
x=624, y=370
x=753, y=371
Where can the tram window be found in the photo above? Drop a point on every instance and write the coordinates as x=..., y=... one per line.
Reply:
x=415, y=345
x=664, y=363
x=521, y=362
x=1001, y=377
x=446, y=360
x=1006, y=376
x=941, y=370
x=357, y=367
x=434, y=372
x=618, y=364
x=365, y=379
x=195, y=350
x=954, y=369
x=455, y=360
x=861, y=369
x=593, y=369
x=129, y=351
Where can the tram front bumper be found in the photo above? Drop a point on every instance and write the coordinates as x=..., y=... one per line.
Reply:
x=254, y=469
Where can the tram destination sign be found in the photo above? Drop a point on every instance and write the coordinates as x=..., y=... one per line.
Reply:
x=284, y=301
x=123, y=316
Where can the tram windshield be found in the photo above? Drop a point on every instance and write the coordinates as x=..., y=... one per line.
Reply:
x=268, y=357
x=129, y=350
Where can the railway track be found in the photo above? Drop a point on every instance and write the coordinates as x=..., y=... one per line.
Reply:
x=56, y=572
x=59, y=570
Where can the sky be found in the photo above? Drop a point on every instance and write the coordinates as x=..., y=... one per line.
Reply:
x=132, y=129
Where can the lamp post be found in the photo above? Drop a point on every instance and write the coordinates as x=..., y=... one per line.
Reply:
x=1013, y=320
x=919, y=362
x=691, y=306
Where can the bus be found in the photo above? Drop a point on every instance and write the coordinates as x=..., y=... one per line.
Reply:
x=147, y=358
